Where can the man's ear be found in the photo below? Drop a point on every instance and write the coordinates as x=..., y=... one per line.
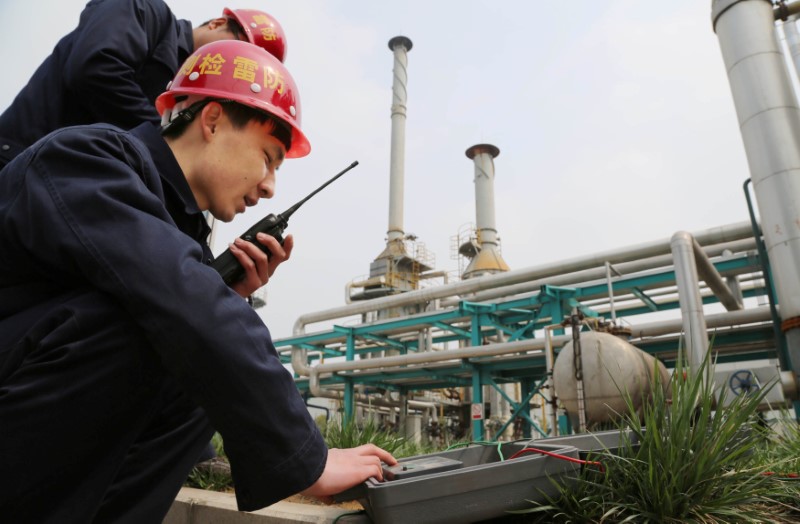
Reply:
x=217, y=22
x=210, y=118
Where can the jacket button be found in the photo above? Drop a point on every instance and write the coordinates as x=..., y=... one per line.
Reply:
x=5, y=147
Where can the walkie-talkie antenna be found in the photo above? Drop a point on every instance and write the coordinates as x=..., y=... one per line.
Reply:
x=286, y=214
x=226, y=264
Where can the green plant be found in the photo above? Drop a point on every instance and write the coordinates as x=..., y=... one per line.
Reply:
x=352, y=434
x=214, y=474
x=693, y=461
x=782, y=443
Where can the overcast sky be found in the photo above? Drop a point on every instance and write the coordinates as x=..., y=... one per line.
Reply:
x=614, y=121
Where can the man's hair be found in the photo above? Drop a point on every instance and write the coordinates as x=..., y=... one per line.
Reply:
x=233, y=27
x=240, y=115
x=236, y=29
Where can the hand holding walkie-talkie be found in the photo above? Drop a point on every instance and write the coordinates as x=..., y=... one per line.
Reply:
x=273, y=225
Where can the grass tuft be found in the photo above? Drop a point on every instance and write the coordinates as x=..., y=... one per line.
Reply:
x=684, y=460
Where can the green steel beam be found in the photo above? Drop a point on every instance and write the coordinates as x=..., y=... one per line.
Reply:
x=477, y=410
x=641, y=295
x=520, y=408
x=519, y=319
x=447, y=327
x=384, y=340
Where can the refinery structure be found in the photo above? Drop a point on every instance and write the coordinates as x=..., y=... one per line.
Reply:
x=501, y=353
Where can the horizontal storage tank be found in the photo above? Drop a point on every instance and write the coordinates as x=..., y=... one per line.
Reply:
x=611, y=366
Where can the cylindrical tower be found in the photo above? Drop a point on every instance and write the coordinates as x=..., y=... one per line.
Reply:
x=398, y=267
x=400, y=46
x=769, y=121
x=487, y=259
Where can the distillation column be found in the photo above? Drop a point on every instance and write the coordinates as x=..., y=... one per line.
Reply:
x=769, y=121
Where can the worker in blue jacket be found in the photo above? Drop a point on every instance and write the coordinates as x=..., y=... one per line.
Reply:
x=115, y=63
x=121, y=348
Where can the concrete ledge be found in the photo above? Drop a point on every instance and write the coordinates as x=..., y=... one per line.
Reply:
x=197, y=506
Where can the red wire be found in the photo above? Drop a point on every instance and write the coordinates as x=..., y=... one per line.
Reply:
x=556, y=455
x=786, y=475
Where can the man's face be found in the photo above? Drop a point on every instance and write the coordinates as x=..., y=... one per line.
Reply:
x=240, y=168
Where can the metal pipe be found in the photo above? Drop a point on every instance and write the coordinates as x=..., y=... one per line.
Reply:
x=785, y=10
x=597, y=301
x=589, y=275
x=317, y=391
x=383, y=364
x=635, y=303
x=610, y=292
x=719, y=234
x=686, y=277
x=780, y=338
x=709, y=274
x=730, y=318
x=769, y=121
x=732, y=281
x=651, y=329
x=576, y=323
x=400, y=46
x=793, y=43
x=551, y=411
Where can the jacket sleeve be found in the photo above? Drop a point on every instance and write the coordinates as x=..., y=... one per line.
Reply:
x=88, y=210
x=114, y=41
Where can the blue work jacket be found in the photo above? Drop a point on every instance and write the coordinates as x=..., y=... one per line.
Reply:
x=93, y=209
x=109, y=69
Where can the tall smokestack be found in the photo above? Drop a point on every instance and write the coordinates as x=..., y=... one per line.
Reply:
x=488, y=258
x=398, y=268
x=400, y=46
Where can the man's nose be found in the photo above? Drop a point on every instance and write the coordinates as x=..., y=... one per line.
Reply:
x=266, y=189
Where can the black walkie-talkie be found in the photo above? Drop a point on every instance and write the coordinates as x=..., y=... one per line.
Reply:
x=273, y=225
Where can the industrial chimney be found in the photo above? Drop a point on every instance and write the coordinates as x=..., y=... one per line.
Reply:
x=400, y=46
x=397, y=269
x=484, y=251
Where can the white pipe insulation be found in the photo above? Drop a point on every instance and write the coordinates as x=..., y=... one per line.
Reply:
x=588, y=275
x=715, y=235
x=793, y=43
x=694, y=322
x=537, y=345
x=769, y=122
x=691, y=266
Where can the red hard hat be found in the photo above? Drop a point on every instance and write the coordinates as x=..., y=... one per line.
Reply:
x=244, y=73
x=261, y=29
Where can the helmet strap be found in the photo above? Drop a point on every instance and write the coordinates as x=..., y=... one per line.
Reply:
x=180, y=115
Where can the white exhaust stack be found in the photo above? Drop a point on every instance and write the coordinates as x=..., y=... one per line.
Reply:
x=400, y=46
x=769, y=120
x=397, y=269
x=487, y=260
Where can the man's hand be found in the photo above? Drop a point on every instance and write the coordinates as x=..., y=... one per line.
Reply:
x=347, y=467
x=258, y=267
